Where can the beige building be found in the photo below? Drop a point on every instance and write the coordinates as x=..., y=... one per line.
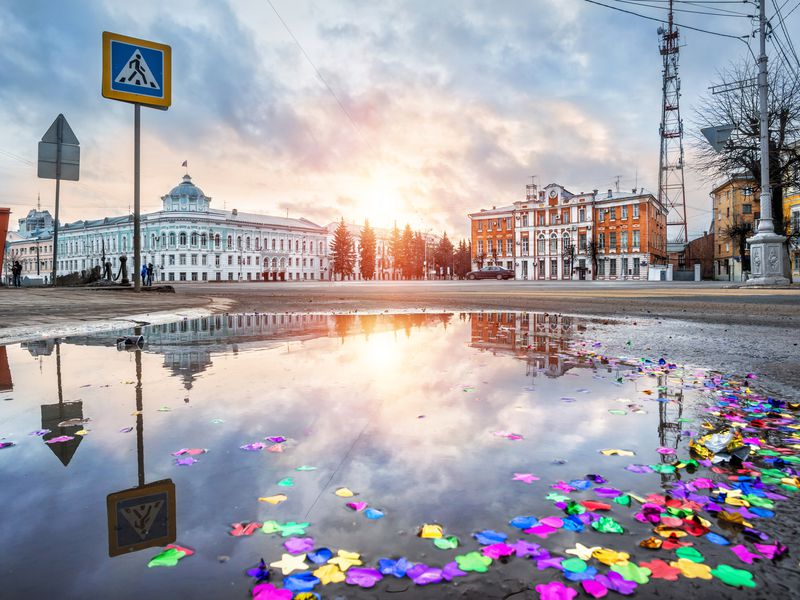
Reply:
x=35, y=254
x=736, y=207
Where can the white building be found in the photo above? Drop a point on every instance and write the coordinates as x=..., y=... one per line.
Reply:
x=190, y=241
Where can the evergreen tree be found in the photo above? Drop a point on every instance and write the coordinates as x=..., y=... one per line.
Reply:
x=406, y=257
x=367, y=244
x=395, y=250
x=419, y=256
x=342, y=258
x=444, y=254
x=463, y=261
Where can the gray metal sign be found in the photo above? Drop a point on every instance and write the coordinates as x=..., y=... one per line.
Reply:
x=59, y=152
x=718, y=136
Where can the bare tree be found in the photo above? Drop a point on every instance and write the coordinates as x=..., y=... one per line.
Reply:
x=592, y=250
x=739, y=107
x=568, y=254
x=737, y=233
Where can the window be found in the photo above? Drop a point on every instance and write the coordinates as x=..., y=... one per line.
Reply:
x=172, y=260
x=194, y=238
x=565, y=216
x=636, y=264
x=182, y=276
x=601, y=268
x=553, y=244
x=216, y=260
x=541, y=268
x=193, y=259
x=612, y=240
x=508, y=223
x=524, y=246
x=541, y=218
x=488, y=225
x=181, y=259
x=230, y=259
x=182, y=238
x=582, y=242
x=238, y=242
x=581, y=214
x=194, y=276
x=247, y=243
x=203, y=260
x=624, y=216
x=203, y=240
x=623, y=240
x=172, y=276
x=612, y=271
x=601, y=215
x=747, y=209
x=509, y=247
x=248, y=260
x=612, y=213
x=205, y=276
x=496, y=224
x=636, y=239
x=553, y=267
x=635, y=211
x=624, y=266
x=480, y=247
x=216, y=241
x=230, y=242
x=541, y=247
x=524, y=219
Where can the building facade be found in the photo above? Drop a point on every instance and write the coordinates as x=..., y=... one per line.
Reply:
x=791, y=217
x=555, y=235
x=190, y=241
x=32, y=246
x=736, y=208
x=492, y=235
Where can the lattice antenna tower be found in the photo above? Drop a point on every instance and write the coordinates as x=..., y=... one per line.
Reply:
x=671, y=188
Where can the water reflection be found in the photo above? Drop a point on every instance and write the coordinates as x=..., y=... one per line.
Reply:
x=401, y=408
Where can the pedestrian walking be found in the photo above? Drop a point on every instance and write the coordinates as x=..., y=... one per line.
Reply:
x=16, y=272
x=149, y=274
x=144, y=274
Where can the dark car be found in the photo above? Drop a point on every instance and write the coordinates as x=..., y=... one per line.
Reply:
x=491, y=273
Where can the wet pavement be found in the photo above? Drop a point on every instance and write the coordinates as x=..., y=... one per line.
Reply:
x=464, y=421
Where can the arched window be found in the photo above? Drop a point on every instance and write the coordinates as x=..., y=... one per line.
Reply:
x=182, y=238
x=273, y=243
x=540, y=244
x=230, y=242
x=172, y=239
x=193, y=238
x=247, y=243
x=304, y=246
x=216, y=241
x=124, y=243
x=274, y=263
x=163, y=240
x=153, y=239
x=565, y=243
x=553, y=243
x=296, y=246
x=238, y=242
x=203, y=240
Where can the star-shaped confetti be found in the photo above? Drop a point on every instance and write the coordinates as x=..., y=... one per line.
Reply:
x=329, y=574
x=582, y=551
x=289, y=563
x=345, y=559
x=525, y=477
x=292, y=528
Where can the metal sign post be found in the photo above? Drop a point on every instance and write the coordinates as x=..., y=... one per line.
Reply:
x=137, y=71
x=59, y=158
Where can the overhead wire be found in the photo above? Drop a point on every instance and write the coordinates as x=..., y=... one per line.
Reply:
x=646, y=4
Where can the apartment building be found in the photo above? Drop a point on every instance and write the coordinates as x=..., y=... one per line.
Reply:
x=736, y=210
x=492, y=235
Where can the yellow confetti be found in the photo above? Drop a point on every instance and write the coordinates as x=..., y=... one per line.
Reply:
x=345, y=560
x=344, y=492
x=607, y=556
x=329, y=574
x=692, y=570
x=431, y=531
x=276, y=499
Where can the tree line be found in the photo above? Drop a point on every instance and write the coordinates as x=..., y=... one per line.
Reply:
x=404, y=257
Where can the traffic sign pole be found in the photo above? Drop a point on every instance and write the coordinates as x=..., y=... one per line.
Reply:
x=137, y=240
x=58, y=193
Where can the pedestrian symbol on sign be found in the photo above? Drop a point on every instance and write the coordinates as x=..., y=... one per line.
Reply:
x=142, y=516
x=136, y=72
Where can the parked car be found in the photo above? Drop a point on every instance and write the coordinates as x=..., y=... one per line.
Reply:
x=491, y=273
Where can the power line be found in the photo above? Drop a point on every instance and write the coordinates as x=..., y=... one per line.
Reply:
x=16, y=157
x=661, y=20
x=729, y=13
x=316, y=70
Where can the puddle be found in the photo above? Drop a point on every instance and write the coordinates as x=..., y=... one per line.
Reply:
x=461, y=420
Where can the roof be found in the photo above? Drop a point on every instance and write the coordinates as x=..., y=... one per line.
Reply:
x=493, y=211
x=733, y=178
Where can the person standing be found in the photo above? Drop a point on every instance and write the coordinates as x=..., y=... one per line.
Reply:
x=16, y=272
x=143, y=274
x=149, y=274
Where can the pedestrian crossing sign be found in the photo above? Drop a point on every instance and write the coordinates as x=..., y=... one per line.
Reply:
x=137, y=71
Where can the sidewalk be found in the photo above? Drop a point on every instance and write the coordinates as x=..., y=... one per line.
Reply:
x=35, y=313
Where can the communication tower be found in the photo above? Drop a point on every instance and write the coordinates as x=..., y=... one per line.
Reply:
x=671, y=189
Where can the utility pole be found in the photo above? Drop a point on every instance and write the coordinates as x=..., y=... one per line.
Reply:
x=767, y=249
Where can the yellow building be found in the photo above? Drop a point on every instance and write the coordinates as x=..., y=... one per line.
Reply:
x=791, y=216
x=735, y=204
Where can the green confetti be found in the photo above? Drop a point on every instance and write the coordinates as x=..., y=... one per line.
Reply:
x=474, y=561
x=624, y=500
x=690, y=553
x=288, y=482
x=574, y=565
x=168, y=558
x=292, y=528
x=734, y=577
x=607, y=525
x=305, y=468
x=632, y=572
x=446, y=543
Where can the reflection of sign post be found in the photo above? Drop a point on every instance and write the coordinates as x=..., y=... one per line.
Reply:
x=137, y=71
x=141, y=517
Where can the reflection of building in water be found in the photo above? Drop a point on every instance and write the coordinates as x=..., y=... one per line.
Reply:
x=39, y=347
x=542, y=339
x=6, y=383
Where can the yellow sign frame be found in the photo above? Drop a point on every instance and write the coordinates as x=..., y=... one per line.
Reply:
x=163, y=103
x=166, y=487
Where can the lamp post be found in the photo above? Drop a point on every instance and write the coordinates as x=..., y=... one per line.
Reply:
x=767, y=250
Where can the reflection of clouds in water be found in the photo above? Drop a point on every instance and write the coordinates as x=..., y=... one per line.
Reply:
x=350, y=400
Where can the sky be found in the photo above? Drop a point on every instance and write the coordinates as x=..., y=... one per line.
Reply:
x=408, y=111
